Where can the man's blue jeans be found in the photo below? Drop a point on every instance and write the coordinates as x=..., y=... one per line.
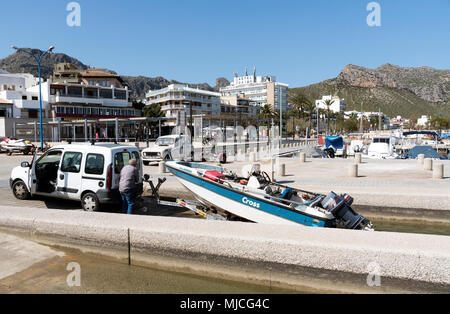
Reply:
x=128, y=201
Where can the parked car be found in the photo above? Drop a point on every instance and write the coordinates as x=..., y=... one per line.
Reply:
x=166, y=148
x=84, y=172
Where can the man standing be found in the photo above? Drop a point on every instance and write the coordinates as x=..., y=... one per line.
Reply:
x=129, y=178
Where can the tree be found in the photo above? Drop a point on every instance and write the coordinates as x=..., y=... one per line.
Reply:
x=138, y=104
x=350, y=125
x=153, y=111
x=267, y=113
x=303, y=105
x=299, y=103
x=328, y=104
x=440, y=123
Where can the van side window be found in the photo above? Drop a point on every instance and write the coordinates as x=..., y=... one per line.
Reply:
x=95, y=164
x=71, y=162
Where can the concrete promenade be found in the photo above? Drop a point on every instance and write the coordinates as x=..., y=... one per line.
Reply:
x=421, y=259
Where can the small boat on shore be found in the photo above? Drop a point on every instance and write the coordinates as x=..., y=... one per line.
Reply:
x=254, y=197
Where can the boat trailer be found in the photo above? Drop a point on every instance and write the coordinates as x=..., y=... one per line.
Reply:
x=196, y=207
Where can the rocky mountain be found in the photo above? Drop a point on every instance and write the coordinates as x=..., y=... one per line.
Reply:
x=20, y=62
x=396, y=90
x=221, y=82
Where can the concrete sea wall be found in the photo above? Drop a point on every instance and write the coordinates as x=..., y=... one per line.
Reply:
x=410, y=257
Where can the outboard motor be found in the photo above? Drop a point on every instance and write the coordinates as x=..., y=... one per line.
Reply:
x=340, y=207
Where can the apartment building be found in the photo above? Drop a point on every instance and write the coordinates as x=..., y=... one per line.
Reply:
x=69, y=73
x=212, y=106
x=338, y=105
x=75, y=95
x=261, y=90
x=19, y=97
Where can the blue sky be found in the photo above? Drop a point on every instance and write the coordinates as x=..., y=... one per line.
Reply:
x=301, y=42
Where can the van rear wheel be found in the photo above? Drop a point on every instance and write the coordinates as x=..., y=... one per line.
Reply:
x=90, y=203
x=20, y=190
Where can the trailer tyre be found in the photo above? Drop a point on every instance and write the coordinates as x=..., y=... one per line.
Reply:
x=331, y=153
x=20, y=190
x=90, y=203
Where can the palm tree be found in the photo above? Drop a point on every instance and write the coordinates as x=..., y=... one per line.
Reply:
x=298, y=102
x=153, y=111
x=267, y=113
x=328, y=104
x=302, y=104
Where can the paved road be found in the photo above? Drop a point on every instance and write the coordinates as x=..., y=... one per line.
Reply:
x=394, y=183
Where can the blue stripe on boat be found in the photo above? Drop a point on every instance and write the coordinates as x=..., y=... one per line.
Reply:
x=254, y=203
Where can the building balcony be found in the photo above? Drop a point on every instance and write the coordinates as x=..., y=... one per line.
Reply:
x=212, y=101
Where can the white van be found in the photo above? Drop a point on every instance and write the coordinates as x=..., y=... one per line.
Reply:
x=85, y=172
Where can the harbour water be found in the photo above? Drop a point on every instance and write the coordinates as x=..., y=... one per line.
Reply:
x=106, y=275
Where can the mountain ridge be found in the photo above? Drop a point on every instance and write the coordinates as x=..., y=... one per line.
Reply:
x=394, y=89
x=20, y=62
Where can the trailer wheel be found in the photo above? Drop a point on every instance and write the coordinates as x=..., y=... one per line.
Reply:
x=20, y=190
x=331, y=153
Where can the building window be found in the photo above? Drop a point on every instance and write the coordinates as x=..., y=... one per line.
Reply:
x=74, y=91
x=34, y=98
x=24, y=97
x=106, y=93
x=33, y=114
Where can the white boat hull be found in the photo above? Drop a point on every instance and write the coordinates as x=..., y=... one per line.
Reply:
x=236, y=208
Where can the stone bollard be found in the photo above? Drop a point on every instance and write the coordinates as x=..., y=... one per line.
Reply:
x=253, y=157
x=282, y=170
x=138, y=146
x=438, y=171
x=420, y=159
x=428, y=164
x=302, y=158
x=353, y=171
x=358, y=158
x=162, y=167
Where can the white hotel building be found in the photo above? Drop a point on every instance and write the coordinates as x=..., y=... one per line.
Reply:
x=212, y=106
x=261, y=90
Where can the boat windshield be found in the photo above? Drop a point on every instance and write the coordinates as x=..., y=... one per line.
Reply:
x=381, y=140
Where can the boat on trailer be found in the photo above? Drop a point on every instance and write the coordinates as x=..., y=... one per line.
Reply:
x=252, y=196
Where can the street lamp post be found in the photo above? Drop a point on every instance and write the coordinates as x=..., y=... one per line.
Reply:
x=281, y=118
x=38, y=60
